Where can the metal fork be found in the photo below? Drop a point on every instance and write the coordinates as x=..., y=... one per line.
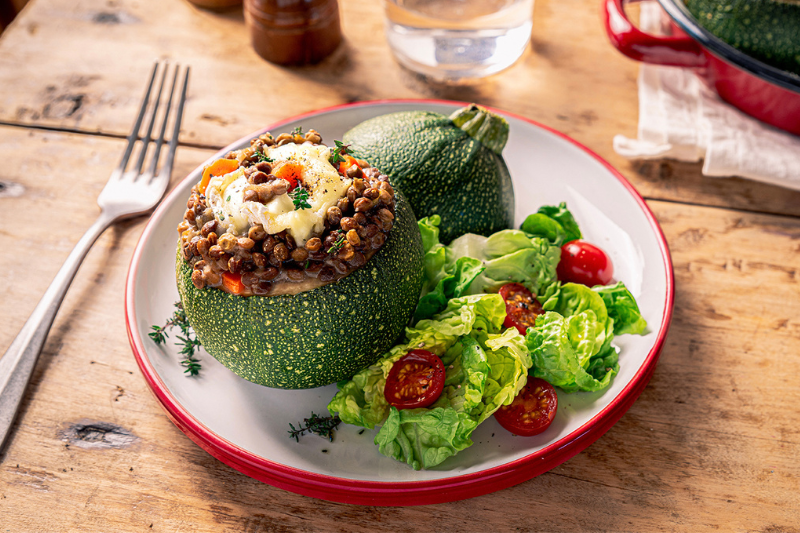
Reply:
x=128, y=193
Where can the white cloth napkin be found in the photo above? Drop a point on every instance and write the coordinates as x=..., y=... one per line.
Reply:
x=680, y=118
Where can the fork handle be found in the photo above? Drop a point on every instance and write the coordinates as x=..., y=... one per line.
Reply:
x=16, y=366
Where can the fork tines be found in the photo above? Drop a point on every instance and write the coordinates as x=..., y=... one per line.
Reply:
x=153, y=116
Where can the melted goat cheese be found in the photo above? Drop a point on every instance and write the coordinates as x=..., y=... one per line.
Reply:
x=225, y=195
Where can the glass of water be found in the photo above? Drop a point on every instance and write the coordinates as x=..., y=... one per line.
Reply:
x=455, y=40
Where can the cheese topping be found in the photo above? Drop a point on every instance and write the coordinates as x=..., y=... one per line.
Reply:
x=325, y=186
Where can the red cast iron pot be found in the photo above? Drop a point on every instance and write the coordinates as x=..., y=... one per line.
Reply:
x=764, y=92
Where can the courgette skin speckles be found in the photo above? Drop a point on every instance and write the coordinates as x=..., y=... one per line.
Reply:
x=440, y=168
x=317, y=337
x=768, y=30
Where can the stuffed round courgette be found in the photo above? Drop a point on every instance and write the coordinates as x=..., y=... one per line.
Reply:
x=297, y=264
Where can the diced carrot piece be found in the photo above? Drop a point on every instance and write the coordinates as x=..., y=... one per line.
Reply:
x=348, y=162
x=220, y=167
x=291, y=172
x=232, y=283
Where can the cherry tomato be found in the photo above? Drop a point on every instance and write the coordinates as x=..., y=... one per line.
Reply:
x=532, y=411
x=585, y=263
x=415, y=380
x=521, y=307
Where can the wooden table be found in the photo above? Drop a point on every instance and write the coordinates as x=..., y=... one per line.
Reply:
x=711, y=444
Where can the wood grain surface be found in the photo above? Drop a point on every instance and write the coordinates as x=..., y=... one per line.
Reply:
x=712, y=444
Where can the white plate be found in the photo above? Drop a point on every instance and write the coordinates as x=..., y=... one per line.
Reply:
x=246, y=425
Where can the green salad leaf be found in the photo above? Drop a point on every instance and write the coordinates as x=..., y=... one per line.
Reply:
x=622, y=307
x=485, y=368
x=554, y=223
x=442, y=281
x=571, y=344
x=425, y=437
x=509, y=256
x=474, y=264
x=460, y=319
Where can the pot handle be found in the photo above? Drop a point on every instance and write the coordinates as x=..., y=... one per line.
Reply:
x=681, y=51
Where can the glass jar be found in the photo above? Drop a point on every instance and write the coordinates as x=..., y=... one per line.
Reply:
x=293, y=32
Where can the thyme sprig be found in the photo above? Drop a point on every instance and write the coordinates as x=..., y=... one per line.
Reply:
x=186, y=340
x=263, y=157
x=323, y=426
x=300, y=198
x=337, y=245
x=298, y=130
x=338, y=152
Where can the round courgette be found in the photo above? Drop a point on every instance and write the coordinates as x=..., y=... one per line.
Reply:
x=447, y=166
x=316, y=337
x=768, y=30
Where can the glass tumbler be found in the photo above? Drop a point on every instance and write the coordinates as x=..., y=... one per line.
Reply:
x=456, y=40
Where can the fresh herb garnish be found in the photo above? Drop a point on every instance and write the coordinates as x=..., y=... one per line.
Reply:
x=337, y=245
x=228, y=199
x=338, y=152
x=320, y=425
x=192, y=366
x=300, y=198
x=298, y=130
x=188, y=341
x=263, y=157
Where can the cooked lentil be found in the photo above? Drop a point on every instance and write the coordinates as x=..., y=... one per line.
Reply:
x=355, y=228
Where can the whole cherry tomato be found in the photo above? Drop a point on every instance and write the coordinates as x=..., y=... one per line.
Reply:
x=585, y=263
x=415, y=380
x=532, y=411
x=521, y=307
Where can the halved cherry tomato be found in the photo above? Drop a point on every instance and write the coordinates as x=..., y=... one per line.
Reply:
x=583, y=262
x=220, y=167
x=289, y=171
x=348, y=162
x=415, y=380
x=232, y=283
x=521, y=307
x=532, y=411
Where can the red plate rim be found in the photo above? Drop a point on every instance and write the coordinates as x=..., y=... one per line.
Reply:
x=403, y=493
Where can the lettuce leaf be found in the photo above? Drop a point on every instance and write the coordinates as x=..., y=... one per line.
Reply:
x=562, y=351
x=473, y=264
x=509, y=256
x=484, y=375
x=449, y=285
x=571, y=343
x=622, y=307
x=442, y=281
x=459, y=318
x=425, y=437
x=509, y=361
x=555, y=223
x=485, y=368
x=360, y=400
x=429, y=229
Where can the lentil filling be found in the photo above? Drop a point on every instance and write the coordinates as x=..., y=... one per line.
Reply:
x=255, y=262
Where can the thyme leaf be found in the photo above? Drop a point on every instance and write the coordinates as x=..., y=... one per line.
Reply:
x=186, y=340
x=338, y=152
x=299, y=198
x=337, y=245
x=263, y=157
x=323, y=426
